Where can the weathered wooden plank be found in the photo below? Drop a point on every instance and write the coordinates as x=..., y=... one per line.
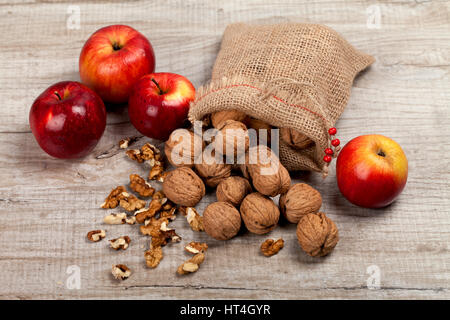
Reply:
x=47, y=206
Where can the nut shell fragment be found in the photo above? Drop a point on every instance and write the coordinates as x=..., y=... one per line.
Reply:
x=317, y=234
x=182, y=186
x=260, y=214
x=301, y=199
x=221, y=220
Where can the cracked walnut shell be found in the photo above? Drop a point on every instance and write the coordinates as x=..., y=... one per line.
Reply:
x=300, y=200
x=268, y=175
x=182, y=147
x=260, y=214
x=295, y=139
x=317, y=234
x=221, y=220
x=233, y=190
x=212, y=170
x=184, y=187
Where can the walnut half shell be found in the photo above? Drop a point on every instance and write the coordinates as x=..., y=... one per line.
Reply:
x=317, y=234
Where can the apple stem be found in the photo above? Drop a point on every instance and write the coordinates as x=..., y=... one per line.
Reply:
x=57, y=94
x=157, y=85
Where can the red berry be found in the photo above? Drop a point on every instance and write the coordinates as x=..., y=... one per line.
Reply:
x=332, y=131
x=329, y=151
x=335, y=142
x=327, y=158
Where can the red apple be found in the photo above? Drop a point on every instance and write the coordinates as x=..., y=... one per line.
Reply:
x=68, y=119
x=159, y=104
x=371, y=171
x=113, y=59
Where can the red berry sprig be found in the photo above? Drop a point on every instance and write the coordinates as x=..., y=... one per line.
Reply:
x=329, y=152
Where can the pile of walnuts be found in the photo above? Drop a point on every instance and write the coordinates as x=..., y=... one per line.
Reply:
x=244, y=187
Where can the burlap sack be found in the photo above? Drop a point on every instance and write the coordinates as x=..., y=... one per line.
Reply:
x=290, y=75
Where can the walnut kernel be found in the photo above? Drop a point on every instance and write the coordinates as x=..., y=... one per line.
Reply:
x=120, y=243
x=271, y=247
x=120, y=271
x=192, y=264
x=140, y=186
x=96, y=235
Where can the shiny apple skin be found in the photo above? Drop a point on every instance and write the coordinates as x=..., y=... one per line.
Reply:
x=156, y=114
x=113, y=72
x=368, y=179
x=70, y=127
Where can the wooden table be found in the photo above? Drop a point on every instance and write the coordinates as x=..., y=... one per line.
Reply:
x=47, y=206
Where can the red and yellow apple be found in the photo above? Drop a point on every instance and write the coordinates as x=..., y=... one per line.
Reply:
x=68, y=119
x=113, y=59
x=371, y=171
x=159, y=104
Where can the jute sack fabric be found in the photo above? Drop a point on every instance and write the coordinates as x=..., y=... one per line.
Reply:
x=295, y=76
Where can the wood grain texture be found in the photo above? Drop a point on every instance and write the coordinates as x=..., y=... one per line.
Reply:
x=47, y=206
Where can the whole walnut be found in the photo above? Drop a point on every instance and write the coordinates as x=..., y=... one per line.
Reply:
x=184, y=187
x=221, y=220
x=268, y=175
x=182, y=147
x=232, y=139
x=211, y=169
x=260, y=214
x=233, y=190
x=260, y=127
x=295, y=139
x=220, y=116
x=300, y=200
x=317, y=234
